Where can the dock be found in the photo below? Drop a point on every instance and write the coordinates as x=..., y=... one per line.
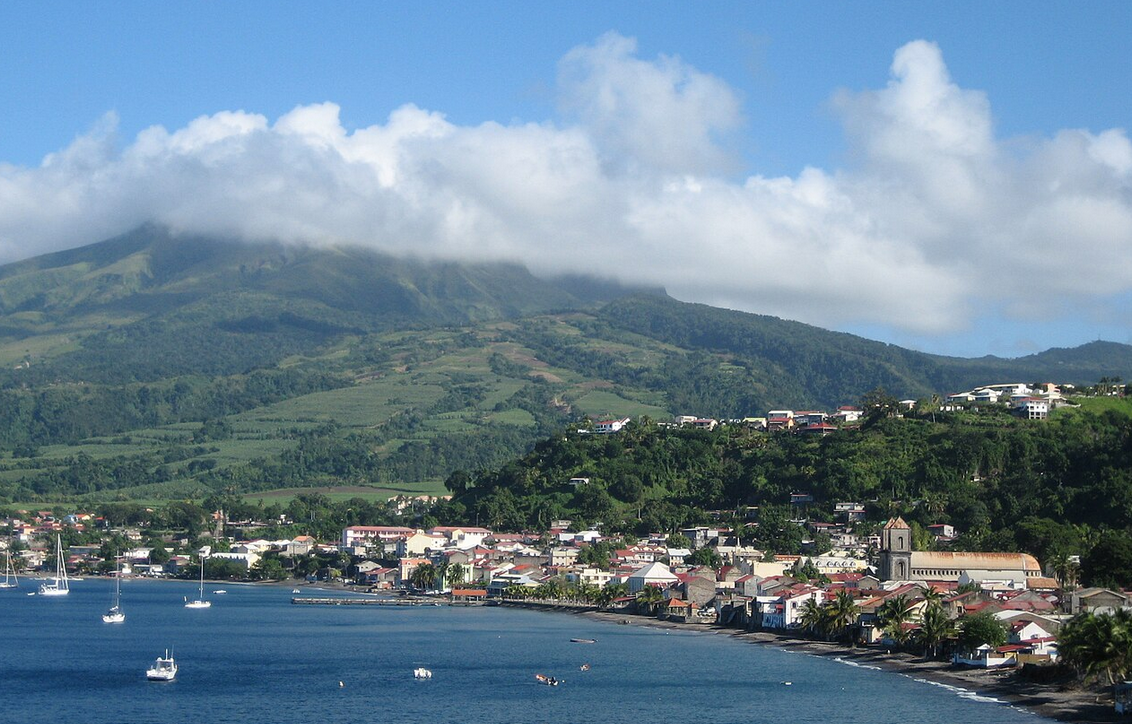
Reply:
x=299, y=601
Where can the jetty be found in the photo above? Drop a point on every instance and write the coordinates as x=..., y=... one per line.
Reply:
x=304, y=601
x=308, y=601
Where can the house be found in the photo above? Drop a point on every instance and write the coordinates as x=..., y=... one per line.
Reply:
x=610, y=426
x=356, y=538
x=419, y=544
x=653, y=574
x=848, y=414
x=1096, y=600
x=1032, y=408
x=784, y=610
x=849, y=512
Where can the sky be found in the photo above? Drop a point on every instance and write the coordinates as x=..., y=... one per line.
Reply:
x=951, y=177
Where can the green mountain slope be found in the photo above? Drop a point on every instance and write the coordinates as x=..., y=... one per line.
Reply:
x=152, y=365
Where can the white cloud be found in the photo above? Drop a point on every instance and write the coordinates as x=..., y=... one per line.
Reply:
x=935, y=219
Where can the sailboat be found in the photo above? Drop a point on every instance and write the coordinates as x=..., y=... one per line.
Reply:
x=60, y=587
x=199, y=602
x=10, y=578
x=115, y=614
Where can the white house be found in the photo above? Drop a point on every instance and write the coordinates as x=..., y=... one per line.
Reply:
x=608, y=426
x=654, y=574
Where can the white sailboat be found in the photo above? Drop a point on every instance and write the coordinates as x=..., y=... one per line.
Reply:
x=59, y=586
x=115, y=614
x=200, y=602
x=10, y=578
x=164, y=669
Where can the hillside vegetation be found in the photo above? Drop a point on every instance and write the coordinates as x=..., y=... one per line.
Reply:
x=153, y=366
x=1054, y=488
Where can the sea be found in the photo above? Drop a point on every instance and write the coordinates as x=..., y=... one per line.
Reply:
x=254, y=657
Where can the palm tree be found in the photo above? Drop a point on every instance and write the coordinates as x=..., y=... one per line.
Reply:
x=455, y=575
x=894, y=613
x=842, y=613
x=935, y=628
x=812, y=617
x=423, y=576
x=1098, y=644
x=1065, y=570
x=649, y=598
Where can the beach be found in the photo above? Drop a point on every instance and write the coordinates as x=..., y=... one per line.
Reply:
x=1056, y=701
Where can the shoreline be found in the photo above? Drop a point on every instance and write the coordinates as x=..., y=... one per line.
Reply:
x=1051, y=701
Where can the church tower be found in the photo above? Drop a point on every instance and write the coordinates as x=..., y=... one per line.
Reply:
x=895, y=551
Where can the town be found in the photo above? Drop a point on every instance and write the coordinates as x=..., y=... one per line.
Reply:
x=881, y=584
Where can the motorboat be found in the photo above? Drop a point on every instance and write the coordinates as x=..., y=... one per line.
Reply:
x=59, y=585
x=163, y=669
x=548, y=680
x=583, y=641
x=422, y=673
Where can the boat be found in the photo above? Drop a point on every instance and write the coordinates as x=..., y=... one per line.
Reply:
x=199, y=602
x=10, y=578
x=295, y=590
x=584, y=667
x=548, y=680
x=115, y=614
x=422, y=673
x=59, y=586
x=583, y=641
x=219, y=592
x=163, y=669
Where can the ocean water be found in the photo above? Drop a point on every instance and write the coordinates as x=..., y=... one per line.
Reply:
x=254, y=658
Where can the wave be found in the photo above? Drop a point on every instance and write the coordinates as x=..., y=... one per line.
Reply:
x=960, y=691
x=856, y=664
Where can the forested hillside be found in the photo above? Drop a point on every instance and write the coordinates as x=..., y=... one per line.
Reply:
x=1053, y=488
x=153, y=366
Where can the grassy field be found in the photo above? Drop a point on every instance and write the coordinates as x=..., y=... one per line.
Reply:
x=283, y=496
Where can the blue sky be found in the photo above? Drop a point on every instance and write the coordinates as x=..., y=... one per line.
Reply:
x=968, y=194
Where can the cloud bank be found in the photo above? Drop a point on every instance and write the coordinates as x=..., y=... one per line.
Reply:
x=933, y=219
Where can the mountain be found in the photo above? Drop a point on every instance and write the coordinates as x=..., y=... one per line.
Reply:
x=155, y=365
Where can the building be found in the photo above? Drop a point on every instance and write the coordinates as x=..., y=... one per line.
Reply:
x=898, y=562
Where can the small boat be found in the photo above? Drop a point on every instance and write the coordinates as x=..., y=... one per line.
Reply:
x=60, y=587
x=548, y=680
x=584, y=667
x=199, y=602
x=295, y=590
x=219, y=592
x=11, y=580
x=422, y=673
x=583, y=641
x=115, y=614
x=164, y=669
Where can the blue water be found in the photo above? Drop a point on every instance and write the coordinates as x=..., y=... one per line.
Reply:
x=253, y=657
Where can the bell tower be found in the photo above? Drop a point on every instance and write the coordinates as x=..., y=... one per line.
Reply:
x=895, y=551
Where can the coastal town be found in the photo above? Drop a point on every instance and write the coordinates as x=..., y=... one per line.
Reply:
x=878, y=586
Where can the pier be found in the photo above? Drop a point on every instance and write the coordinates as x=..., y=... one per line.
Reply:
x=304, y=601
x=365, y=602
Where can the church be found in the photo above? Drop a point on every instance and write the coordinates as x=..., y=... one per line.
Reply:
x=898, y=562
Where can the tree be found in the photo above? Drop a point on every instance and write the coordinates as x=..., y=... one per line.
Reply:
x=980, y=629
x=935, y=628
x=705, y=557
x=1109, y=563
x=893, y=614
x=423, y=576
x=1098, y=645
x=678, y=540
x=456, y=574
x=648, y=599
x=812, y=616
x=842, y=613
